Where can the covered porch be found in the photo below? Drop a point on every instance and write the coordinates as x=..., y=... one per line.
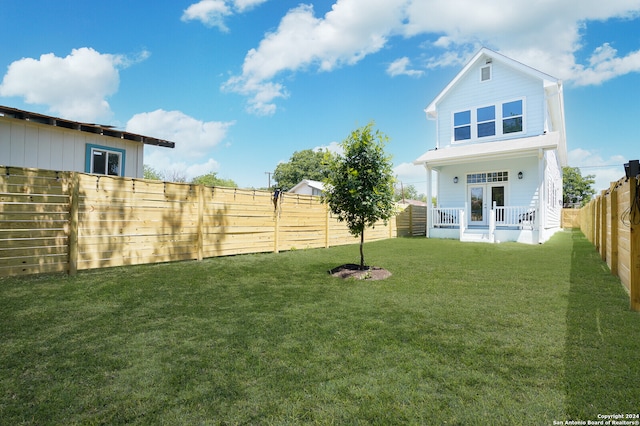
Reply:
x=505, y=223
x=493, y=191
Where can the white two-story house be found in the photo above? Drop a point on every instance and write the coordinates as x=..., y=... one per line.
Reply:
x=499, y=152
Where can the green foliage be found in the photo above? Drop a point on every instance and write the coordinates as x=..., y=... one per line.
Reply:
x=305, y=164
x=408, y=192
x=359, y=187
x=576, y=189
x=150, y=173
x=212, y=179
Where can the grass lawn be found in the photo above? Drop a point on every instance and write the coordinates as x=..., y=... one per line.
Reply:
x=462, y=333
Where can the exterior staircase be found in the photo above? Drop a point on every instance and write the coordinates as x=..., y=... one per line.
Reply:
x=476, y=235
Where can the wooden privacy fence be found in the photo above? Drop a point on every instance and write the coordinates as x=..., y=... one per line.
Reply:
x=64, y=221
x=611, y=222
x=411, y=221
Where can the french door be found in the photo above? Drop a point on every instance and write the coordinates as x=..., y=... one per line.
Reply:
x=481, y=199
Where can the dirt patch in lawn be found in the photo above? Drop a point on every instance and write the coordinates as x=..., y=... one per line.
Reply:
x=353, y=271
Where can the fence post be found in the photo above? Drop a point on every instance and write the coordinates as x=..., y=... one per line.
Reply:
x=597, y=223
x=634, y=267
x=613, y=215
x=411, y=220
x=276, y=229
x=200, y=195
x=326, y=226
x=603, y=225
x=74, y=192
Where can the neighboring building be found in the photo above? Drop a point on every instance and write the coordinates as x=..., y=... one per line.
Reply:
x=308, y=187
x=500, y=149
x=34, y=140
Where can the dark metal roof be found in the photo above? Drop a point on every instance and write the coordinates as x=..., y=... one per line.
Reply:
x=98, y=129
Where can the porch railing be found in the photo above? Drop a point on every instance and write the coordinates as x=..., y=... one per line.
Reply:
x=515, y=216
x=445, y=217
x=505, y=216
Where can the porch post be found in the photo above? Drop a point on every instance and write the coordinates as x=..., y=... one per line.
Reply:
x=542, y=220
x=492, y=223
x=429, y=206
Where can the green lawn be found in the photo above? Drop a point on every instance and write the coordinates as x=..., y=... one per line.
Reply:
x=462, y=333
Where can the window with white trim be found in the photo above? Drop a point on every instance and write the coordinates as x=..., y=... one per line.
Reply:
x=462, y=125
x=485, y=73
x=488, y=177
x=486, y=121
x=495, y=120
x=104, y=160
x=512, y=114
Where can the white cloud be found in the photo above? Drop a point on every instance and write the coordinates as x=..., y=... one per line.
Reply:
x=212, y=13
x=194, y=140
x=209, y=12
x=243, y=5
x=411, y=174
x=333, y=147
x=605, y=64
x=591, y=163
x=502, y=25
x=399, y=67
x=345, y=35
x=546, y=35
x=74, y=87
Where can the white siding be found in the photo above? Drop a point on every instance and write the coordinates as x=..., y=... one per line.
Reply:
x=16, y=140
x=506, y=84
x=5, y=143
x=553, y=190
x=57, y=154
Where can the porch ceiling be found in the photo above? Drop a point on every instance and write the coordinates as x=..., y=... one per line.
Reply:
x=512, y=148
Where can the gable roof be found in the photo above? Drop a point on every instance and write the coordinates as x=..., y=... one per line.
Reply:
x=485, y=55
x=310, y=183
x=98, y=129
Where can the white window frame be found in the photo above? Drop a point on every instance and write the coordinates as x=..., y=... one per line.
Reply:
x=499, y=122
x=502, y=118
x=482, y=68
x=93, y=149
x=470, y=125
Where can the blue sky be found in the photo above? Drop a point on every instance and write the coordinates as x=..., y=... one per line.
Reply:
x=240, y=85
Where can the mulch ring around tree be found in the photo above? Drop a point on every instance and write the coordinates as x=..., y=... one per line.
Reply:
x=353, y=271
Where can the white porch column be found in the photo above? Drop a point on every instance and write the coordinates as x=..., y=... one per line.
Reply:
x=541, y=213
x=429, y=195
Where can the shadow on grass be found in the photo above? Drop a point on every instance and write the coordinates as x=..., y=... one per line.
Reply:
x=603, y=340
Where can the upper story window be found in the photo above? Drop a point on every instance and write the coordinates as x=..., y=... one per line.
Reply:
x=105, y=160
x=486, y=121
x=512, y=117
x=485, y=73
x=462, y=125
x=483, y=122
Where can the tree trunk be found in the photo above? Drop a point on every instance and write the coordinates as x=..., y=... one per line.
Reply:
x=362, y=250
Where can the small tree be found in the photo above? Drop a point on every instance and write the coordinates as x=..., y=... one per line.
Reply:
x=359, y=186
x=576, y=189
